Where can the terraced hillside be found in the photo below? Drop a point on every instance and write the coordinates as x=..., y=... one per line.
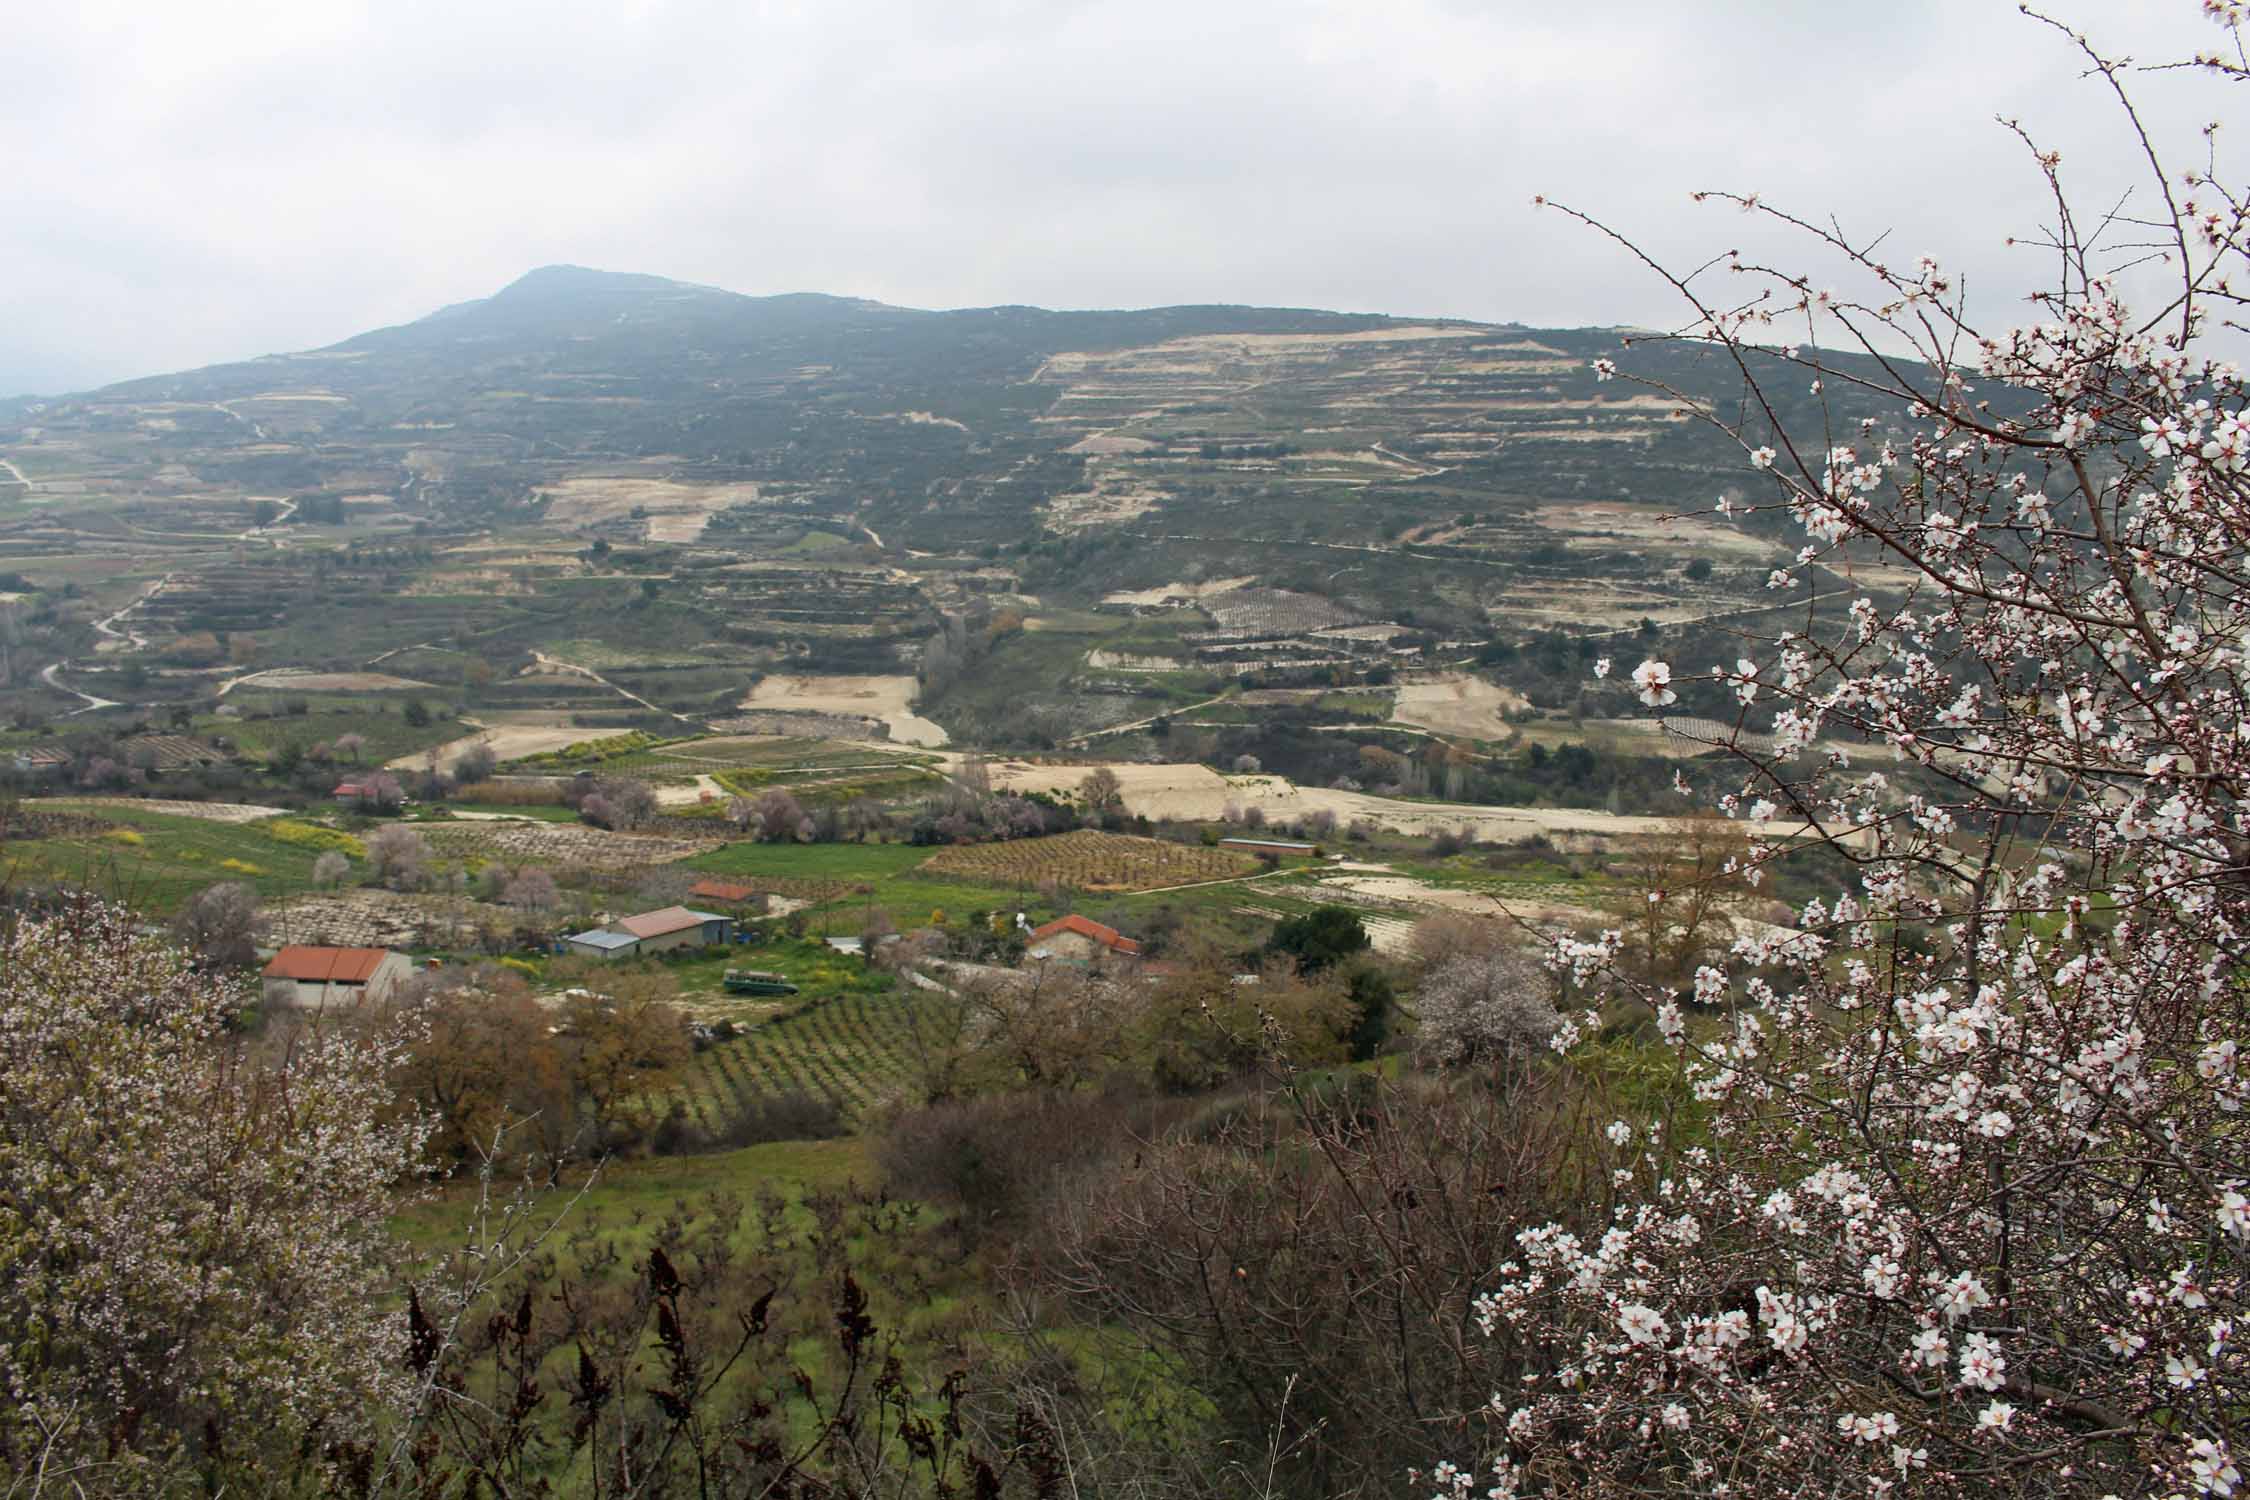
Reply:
x=693, y=489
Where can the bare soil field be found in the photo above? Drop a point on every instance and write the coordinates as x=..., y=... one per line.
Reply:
x=1155, y=598
x=688, y=794
x=1106, y=444
x=671, y=512
x=1120, y=661
x=531, y=735
x=1108, y=500
x=1162, y=791
x=1457, y=703
x=284, y=679
x=386, y=919
x=214, y=812
x=1604, y=521
x=885, y=699
x=1596, y=604
x=1404, y=893
x=1209, y=353
x=1193, y=793
x=561, y=844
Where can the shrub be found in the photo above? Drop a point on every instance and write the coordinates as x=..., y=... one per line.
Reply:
x=313, y=836
x=995, y=1159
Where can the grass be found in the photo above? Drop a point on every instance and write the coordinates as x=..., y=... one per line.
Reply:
x=811, y=861
x=165, y=860
x=640, y=1192
x=385, y=729
x=818, y=971
x=888, y=877
x=1372, y=704
x=813, y=788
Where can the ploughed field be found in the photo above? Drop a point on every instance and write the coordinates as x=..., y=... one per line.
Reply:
x=1090, y=860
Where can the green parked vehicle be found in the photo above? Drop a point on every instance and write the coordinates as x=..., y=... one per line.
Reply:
x=756, y=982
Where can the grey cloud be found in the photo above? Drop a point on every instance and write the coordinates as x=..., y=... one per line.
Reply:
x=195, y=183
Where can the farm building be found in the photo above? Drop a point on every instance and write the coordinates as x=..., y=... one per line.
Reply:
x=329, y=978
x=600, y=942
x=653, y=932
x=728, y=893
x=1268, y=846
x=349, y=791
x=42, y=762
x=1077, y=939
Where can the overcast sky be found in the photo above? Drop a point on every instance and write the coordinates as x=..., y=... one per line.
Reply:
x=200, y=181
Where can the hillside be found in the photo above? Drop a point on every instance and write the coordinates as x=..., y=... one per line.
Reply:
x=601, y=485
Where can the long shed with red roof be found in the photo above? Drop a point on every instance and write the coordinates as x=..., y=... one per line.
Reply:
x=316, y=978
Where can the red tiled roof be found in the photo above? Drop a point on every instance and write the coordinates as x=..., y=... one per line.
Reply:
x=1108, y=937
x=722, y=890
x=657, y=923
x=326, y=965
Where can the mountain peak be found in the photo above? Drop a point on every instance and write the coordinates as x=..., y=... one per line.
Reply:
x=578, y=281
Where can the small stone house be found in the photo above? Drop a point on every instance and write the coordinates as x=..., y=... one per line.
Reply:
x=1082, y=940
x=729, y=893
x=333, y=978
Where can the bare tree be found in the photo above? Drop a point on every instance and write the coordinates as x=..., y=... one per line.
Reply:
x=531, y=890
x=381, y=793
x=863, y=816
x=220, y=926
x=779, y=818
x=1102, y=792
x=477, y=763
x=1681, y=887
x=631, y=803
x=330, y=869
x=397, y=856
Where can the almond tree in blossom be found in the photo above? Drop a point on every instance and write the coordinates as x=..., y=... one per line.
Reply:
x=194, y=1269
x=1952, y=1195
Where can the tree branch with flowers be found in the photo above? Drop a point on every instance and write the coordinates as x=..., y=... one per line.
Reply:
x=1961, y=1207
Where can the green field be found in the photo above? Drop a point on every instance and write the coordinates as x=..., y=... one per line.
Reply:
x=862, y=877
x=638, y=1193
x=381, y=722
x=852, y=1049
x=155, y=861
x=818, y=971
x=812, y=861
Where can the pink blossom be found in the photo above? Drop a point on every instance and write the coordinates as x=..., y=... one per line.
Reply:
x=1653, y=679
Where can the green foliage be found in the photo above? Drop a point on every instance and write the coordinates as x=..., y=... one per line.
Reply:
x=1320, y=938
x=1373, y=1002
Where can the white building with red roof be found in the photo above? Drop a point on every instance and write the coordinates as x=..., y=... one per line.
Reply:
x=1078, y=939
x=333, y=978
